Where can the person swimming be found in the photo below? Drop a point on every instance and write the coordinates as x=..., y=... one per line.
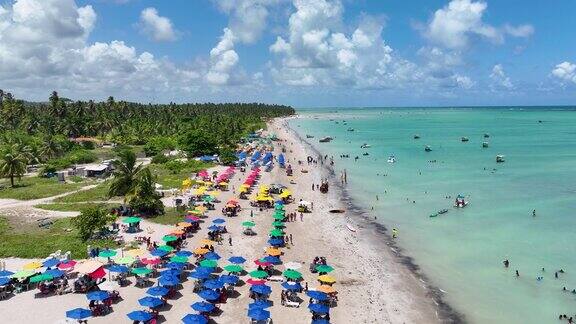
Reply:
x=517, y=273
x=506, y=263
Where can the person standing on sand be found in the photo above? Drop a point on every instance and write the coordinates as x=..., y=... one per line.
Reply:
x=293, y=243
x=301, y=217
x=230, y=240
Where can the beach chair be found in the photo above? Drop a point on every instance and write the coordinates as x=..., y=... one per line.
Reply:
x=290, y=303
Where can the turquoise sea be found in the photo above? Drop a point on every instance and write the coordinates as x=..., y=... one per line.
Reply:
x=461, y=252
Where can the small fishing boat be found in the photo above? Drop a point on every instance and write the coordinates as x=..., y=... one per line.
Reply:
x=440, y=212
x=391, y=159
x=325, y=139
x=309, y=136
x=365, y=146
x=350, y=129
x=365, y=154
x=464, y=139
x=485, y=144
x=416, y=136
x=486, y=135
x=428, y=148
x=500, y=158
x=460, y=202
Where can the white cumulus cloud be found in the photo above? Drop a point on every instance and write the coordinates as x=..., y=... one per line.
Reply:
x=157, y=27
x=499, y=77
x=565, y=71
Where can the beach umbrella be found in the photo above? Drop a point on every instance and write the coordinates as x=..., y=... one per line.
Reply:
x=199, y=275
x=276, y=232
x=233, y=268
x=78, y=313
x=262, y=263
x=209, y=263
x=168, y=281
x=213, y=284
x=258, y=314
x=209, y=294
x=192, y=219
x=206, y=242
x=208, y=198
x=40, y=278
x=229, y=279
x=183, y=224
x=261, y=289
x=179, y=259
x=203, y=307
x=324, y=268
x=107, y=253
x=326, y=289
x=166, y=248
x=201, y=251
x=326, y=279
x=279, y=207
x=140, y=316
x=50, y=263
x=273, y=251
x=262, y=304
x=141, y=271
x=184, y=253
x=237, y=260
x=55, y=273
x=98, y=295
x=278, y=217
x=131, y=220
x=212, y=256
x=292, y=274
x=109, y=285
x=320, y=321
x=205, y=269
x=6, y=273
x=271, y=259
x=67, y=265
x=158, y=253
x=319, y=308
x=318, y=295
x=248, y=224
x=175, y=265
x=171, y=272
x=32, y=265
x=125, y=260
x=158, y=291
x=278, y=224
x=219, y=221
x=259, y=274
x=151, y=261
x=276, y=242
x=4, y=281
x=293, y=265
x=23, y=274
x=135, y=252
x=150, y=301
x=214, y=228
x=291, y=286
x=169, y=238
x=194, y=319
x=254, y=282
x=118, y=268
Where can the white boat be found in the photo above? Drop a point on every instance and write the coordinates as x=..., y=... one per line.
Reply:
x=500, y=159
x=365, y=146
x=325, y=139
x=391, y=159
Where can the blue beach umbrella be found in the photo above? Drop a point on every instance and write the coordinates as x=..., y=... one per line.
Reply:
x=78, y=313
x=6, y=273
x=214, y=228
x=205, y=269
x=279, y=203
x=203, y=307
x=176, y=265
x=261, y=289
x=184, y=253
x=199, y=275
x=168, y=281
x=55, y=273
x=272, y=259
x=157, y=291
x=118, y=268
x=219, y=221
x=237, y=260
x=158, y=253
x=258, y=314
x=141, y=316
x=292, y=287
x=320, y=321
x=213, y=284
x=212, y=256
x=276, y=242
x=50, y=263
x=98, y=295
x=319, y=308
x=4, y=281
x=170, y=272
x=209, y=294
x=150, y=301
x=194, y=319
x=229, y=279
x=318, y=295
x=262, y=304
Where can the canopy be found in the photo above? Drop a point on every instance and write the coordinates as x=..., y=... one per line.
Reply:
x=131, y=220
x=324, y=268
x=78, y=313
x=135, y=252
x=326, y=289
x=209, y=294
x=233, y=268
x=259, y=274
x=140, y=316
x=150, y=301
x=292, y=274
x=88, y=266
x=202, y=306
x=157, y=291
x=194, y=319
x=258, y=314
x=40, y=278
x=319, y=308
x=32, y=265
x=50, y=263
x=141, y=271
x=125, y=260
x=326, y=279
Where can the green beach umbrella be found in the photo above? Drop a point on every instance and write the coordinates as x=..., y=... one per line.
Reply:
x=166, y=248
x=278, y=224
x=125, y=260
x=107, y=253
x=279, y=207
x=276, y=232
x=278, y=217
x=259, y=274
x=233, y=268
x=292, y=274
x=169, y=238
x=132, y=220
x=209, y=263
x=324, y=268
x=23, y=274
x=249, y=224
x=141, y=271
x=208, y=199
x=179, y=259
x=41, y=277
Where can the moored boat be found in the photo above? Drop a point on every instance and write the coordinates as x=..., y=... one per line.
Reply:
x=485, y=144
x=464, y=139
x=499, y=158
x=428, y=148
x=325, y=139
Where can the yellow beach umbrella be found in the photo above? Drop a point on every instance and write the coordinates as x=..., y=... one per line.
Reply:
x=187, y=183
x=32, y=265
x=135, y=252
x=326, y=279
x=184, y=224
x=201, y=251
x=199, y=181
x=177, y=232
x=273, y=251
x=201, y=208
x=195, y=212
x=285, y=194
x=206, y=242
x=213, y=193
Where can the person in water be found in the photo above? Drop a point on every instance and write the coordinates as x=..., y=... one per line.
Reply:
x=506, y=263
x=517, y=273
x=394, y=233
x=534, y=213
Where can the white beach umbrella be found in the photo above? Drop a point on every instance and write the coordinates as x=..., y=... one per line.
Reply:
x=293, y=265
x=109, y=285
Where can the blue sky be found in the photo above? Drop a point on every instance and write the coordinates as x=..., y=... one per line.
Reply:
x=306, y=53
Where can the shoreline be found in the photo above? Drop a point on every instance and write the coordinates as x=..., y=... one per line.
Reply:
x=380, y=237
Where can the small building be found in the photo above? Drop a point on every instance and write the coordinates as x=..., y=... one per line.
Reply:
x=96, y=170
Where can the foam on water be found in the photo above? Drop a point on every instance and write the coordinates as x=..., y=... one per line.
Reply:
x=462, y=251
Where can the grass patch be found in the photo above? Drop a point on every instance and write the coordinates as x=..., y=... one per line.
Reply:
x=35, y=188
x=75, y=206
x=170, y=217
x=30, y=241
x=98, y=193
x=170, y=179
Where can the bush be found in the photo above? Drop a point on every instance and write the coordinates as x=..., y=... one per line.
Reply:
x=175, y=166
x=157, y=145
x=90, y=220
x=160, y=159
x=81, y=157
x=227, y=157
x=88, y=145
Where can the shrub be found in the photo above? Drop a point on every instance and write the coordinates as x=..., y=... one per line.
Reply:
x=160, y=159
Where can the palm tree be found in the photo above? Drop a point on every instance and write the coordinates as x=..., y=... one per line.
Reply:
x=126, y=174
x=50, y=148
x=13, y=162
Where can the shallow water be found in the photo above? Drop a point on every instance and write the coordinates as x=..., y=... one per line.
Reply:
x=462, y=251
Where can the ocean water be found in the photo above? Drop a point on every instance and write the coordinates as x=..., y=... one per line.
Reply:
x=461, y=252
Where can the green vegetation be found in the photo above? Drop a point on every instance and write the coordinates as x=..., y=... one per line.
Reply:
x=30, y=241
x=90, y=220
x=171, y=216
x=171, y=176
x=29, y=188
x=75, y=206
x=13, y=160
x=98, y=193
